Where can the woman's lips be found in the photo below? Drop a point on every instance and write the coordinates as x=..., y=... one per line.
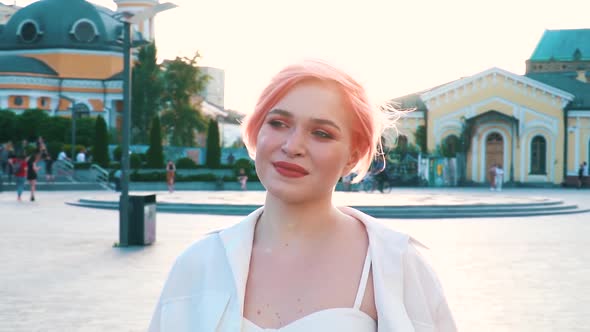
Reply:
x=289, y=170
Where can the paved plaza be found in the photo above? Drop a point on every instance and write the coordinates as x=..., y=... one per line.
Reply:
x=60, y=271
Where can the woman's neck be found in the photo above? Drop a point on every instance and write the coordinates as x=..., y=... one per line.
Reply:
x=305, y=224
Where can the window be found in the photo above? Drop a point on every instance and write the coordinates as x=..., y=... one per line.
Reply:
x=538, y=155
x=29, y=31
x=18, y=101
x=43, y=102
x=81, y=111
x=84, y=31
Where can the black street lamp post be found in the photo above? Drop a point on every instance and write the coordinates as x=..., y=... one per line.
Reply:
x=127, y=19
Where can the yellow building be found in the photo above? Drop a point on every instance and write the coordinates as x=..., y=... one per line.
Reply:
x=537, y=125
x=59, y=55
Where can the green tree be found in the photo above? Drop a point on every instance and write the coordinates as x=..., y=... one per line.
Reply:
x=155, y=153
x=183, y=81
x=420, y=138
x=101, y=149
x=85, y=131
x=57, y=129
x=147, y=88
x=8, y=123
x=213, y=159
x=29, y=124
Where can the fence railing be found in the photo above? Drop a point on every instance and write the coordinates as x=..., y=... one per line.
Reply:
x=65, y=168
x=101, y=176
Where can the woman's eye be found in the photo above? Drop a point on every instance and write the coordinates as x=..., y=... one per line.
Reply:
x=276, y=123
x=322, y=134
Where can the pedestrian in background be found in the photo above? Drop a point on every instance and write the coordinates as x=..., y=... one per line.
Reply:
x=19, y=165
x=32, y=170
x=242, y=179
x=492, y=177
x=170, y=174
x=499, y=177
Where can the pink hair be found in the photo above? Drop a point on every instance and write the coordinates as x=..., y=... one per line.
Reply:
x=367, y=121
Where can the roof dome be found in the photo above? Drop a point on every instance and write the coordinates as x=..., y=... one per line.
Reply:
x=75, y=24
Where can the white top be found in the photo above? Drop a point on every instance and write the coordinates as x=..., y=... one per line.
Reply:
x=62, y=156
x=335, y=319
x=81, y=157
x=206, y=287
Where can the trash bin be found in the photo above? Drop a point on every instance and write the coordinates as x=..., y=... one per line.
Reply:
x=142, y=219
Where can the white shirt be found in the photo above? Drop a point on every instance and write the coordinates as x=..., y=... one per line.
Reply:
x=62, y=156
x=206, y=287
x=81, y=157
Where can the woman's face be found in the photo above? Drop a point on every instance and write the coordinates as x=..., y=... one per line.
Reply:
x=304, y=144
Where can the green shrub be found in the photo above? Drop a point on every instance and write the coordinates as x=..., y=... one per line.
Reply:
x=117, y=153
x=134, y=161
x=82, y=165
x=185, y=163
x=246, y=164
x=100, y=151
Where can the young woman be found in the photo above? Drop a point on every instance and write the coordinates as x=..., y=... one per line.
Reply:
x=19, y=165
x=32, y=170
x=243, y=179
x=170, y=173
x=299, y=263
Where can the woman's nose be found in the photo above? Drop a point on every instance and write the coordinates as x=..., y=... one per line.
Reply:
x=294, y=144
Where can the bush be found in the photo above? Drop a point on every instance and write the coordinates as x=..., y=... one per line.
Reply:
x=115, y=165
x=82, y=165
x=134, y=161
x=155, y=153
x=246, y=164
x=186, y=163
x=100, y=150
x=161, y=177
x=213, y=156
x=53, y=148
x=117, y=153
x=68, y=150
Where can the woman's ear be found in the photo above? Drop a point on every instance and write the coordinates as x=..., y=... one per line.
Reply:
x=352, y=161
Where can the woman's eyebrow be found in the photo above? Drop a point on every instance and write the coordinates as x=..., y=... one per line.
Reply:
x=326, y=122
x=319, y=121
x=281, y=112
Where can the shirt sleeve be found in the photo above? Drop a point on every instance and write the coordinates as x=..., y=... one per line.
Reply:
x=424, y=298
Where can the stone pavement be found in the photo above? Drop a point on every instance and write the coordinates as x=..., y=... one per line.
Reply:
x=60, y=271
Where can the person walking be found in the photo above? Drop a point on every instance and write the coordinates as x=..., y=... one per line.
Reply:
x=499, y=179
x=49, y=178
x=243, y=179
x=170, y=174
x=492, y=177
x=19, y=165
x=581, y=172
x=32, y=170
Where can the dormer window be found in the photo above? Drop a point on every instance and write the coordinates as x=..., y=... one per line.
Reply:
x=28, y=31
x=84, y=31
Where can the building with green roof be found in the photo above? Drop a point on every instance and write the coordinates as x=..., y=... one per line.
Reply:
x=57, y=53
x=535, y=126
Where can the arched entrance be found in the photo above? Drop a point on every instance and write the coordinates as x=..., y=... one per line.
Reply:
x=494, y=151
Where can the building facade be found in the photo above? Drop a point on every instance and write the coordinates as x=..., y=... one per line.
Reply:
x=66, y=66
x=537, y=125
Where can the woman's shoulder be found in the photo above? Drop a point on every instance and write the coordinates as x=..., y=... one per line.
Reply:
x=201, y=250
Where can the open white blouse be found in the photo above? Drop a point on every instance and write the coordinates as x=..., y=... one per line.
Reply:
x=205, y=289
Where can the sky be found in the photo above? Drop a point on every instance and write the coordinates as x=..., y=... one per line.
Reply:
x=393, y=47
